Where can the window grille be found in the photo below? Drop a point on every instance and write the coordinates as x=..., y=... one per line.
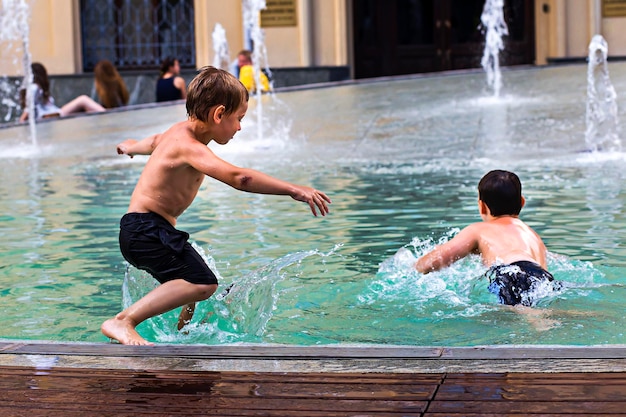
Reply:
x=137, y=34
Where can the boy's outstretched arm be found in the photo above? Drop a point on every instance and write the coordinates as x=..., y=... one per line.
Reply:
x=257, y=182
x=246, y=179
x=132, y=147
x=463, y=244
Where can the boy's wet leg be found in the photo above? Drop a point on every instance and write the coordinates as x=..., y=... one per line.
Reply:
x=165, y=297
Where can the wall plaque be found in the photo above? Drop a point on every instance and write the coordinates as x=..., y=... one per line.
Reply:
x=613, y=8
x=279, y=13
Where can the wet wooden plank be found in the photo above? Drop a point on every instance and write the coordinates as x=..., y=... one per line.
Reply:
x=538, y=387
x=531, y=394
x=540, y=392
x=65, y=391
x=509, y=414
x=31, y=392
x=221, y=406
x=51, y=390
x=16, y=412
x=528, y=408
x=571, y=377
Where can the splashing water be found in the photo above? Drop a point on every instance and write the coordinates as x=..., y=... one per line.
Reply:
x=14, y=37
x=462, y=285
x=239, y=311
x=601, y=118
x=495, y=28
x=221, y=59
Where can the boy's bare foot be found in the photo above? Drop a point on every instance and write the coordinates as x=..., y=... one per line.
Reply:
x=123, y=331
x=186, y=314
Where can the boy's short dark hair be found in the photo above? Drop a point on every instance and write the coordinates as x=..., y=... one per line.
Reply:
x=213, y=87
x=501, y=191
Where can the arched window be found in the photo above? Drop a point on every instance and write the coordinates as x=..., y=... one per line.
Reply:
x=136, y=34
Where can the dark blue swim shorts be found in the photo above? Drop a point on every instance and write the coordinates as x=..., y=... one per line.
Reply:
x=515, y=283
x=151, y=243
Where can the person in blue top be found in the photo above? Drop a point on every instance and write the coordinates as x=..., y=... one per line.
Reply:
x=170, y=86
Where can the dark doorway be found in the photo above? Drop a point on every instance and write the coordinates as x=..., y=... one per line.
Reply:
x=394, y=37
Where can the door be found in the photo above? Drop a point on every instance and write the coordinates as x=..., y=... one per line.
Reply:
x=394, y=37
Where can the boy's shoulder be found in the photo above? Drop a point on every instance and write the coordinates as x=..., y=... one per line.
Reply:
x=182, y=131
x=475, y=227
x=178, y=135
x=482, y=228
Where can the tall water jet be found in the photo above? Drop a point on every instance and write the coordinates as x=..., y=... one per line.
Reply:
x=14, y=39
x=495, y=28
x=602, y=129
x=221, y=59
x=251, y=16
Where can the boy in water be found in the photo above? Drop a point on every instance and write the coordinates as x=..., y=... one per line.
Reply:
x=180, y=159
x=514, y=252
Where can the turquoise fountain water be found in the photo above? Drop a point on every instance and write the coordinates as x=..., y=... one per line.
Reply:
x=400, y=159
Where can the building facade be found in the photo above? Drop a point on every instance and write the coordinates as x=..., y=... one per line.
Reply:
x=369, y=38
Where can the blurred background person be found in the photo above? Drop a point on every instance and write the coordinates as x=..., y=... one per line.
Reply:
x=110, y=86
x=246, y=72
x=44, y=105
x=170, y=85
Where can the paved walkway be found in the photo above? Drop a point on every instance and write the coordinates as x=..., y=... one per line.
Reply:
x=64, y=379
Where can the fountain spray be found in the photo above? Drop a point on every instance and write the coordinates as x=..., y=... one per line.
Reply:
x=601, y=118
x=495, y=28
x=14, y=27
x=221, y=59
x=251, y=11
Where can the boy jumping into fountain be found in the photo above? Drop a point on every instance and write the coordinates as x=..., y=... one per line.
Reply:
x=514, y=252
x=180, y=159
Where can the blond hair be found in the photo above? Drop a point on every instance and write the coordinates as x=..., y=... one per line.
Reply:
x=212, y=87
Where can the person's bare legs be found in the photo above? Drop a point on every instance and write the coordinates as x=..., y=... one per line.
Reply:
x=537, y=317
x=164, y=298
x=81, y=104
x=186, y=315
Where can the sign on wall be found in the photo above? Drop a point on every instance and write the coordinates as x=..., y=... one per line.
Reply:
x=613, y=8
x=279, y=13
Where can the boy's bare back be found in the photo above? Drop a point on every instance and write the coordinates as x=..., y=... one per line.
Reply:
x=506, y=240
x=169, y=181
x=501, y=238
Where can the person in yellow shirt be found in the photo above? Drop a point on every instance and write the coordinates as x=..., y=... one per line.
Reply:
x=246, y=72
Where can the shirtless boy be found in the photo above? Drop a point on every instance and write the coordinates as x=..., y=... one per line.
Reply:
x=180, y=159
x=514, y=252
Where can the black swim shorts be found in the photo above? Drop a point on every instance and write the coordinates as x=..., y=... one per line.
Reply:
x=151, y=243
x=514, y=283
